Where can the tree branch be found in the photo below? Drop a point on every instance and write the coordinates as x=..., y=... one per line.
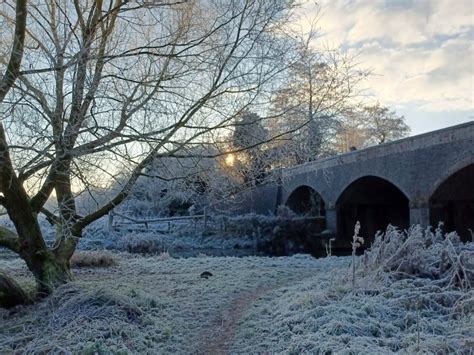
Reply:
x=13, y=68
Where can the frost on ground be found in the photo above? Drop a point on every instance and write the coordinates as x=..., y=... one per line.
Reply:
x=145, y=305
x=413, y=293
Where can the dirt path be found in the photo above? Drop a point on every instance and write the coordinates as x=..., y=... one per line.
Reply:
x=223, y=335
x=220, y=337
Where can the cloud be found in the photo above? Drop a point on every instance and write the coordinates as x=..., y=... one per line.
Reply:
x=355, y=22
x=420, y=51
x=450, y=17
x=438, y=79
x=402, y=22
x=399, y=26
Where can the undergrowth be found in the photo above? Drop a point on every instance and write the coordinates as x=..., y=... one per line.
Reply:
x=93, y=259
x=420, y=253
x=413, y=295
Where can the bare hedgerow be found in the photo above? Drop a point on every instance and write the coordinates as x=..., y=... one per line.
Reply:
x=93, y=259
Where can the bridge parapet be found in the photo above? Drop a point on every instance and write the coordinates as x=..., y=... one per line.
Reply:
x=448, y=135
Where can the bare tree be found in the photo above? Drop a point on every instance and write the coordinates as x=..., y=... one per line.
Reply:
x=249, y=132
x=351, y=131
x=360, y=127
x=107, y=86
x=383, y=124
x=171, y=185
x=320, y=85
x=323, y=112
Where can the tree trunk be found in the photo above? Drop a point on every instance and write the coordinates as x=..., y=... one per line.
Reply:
x=49, y=270
x=51, y=273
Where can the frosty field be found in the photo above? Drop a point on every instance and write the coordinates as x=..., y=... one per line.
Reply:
x=150, y=304
x=292, y=304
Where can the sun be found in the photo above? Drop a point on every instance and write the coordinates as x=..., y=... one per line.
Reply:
x=230, y=159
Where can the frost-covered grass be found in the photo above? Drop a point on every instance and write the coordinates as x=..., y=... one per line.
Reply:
x=318, y=316
x=145, y=305
x=413, y=293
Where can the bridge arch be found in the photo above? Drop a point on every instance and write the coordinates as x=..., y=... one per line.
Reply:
x=375, y=202
x=452, y=200
x=305, y=200
x=446, y=173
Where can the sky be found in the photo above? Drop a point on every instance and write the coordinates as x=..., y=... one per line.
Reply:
x=420, y=53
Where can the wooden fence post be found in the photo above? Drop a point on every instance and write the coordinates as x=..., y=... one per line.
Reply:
x=110, y=222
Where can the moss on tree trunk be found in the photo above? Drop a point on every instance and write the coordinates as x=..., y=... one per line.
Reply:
x=50, y=274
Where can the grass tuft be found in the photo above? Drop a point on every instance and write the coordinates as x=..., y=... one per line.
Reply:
x=93, y=259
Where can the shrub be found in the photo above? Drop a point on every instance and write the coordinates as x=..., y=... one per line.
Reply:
x=279, y=236
x=140, y=243
x=422, y=253
x=284, y=211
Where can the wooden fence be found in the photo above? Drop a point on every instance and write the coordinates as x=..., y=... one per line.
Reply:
x=150, y=224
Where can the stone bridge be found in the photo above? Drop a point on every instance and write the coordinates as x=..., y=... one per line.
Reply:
x=424, y=179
